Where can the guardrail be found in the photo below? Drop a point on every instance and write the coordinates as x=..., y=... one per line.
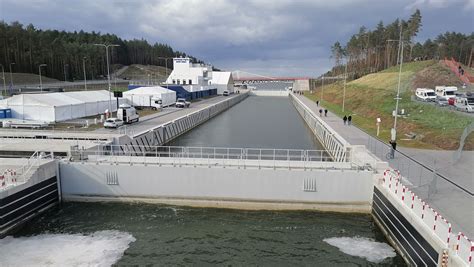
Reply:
x=439, y=226
x=12, y=177
x=329, y=138
x=213, y=156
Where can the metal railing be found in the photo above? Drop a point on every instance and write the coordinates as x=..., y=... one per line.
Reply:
x=212, y=157
x=330, y=139
x=15, y=176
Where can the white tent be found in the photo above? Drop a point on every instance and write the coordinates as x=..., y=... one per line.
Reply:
x=223, y=81
x=56, y=107
x=142, y=96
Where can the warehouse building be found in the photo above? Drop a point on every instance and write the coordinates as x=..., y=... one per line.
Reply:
x=57, y=107
x=150, y=96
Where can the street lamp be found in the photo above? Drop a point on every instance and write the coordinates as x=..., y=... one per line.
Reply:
x=322, y=88
x=11, y=76
x=344, y=90
x=108, y=69
x=166, y=68
x=3, y=78
x=84, y=68
x=65, y=77
x=400, y=54
x=41, y=82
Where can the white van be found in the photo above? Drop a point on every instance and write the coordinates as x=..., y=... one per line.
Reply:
x=446, y=92
x=465, y=103
x=425, y=94
x=127, y=114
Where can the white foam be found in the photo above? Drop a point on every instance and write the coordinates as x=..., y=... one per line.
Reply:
x=362, y=247
x=102, y=248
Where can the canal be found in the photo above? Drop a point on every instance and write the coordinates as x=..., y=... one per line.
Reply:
x=256, y=122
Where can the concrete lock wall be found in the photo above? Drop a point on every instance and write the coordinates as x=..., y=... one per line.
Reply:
x=345, y=191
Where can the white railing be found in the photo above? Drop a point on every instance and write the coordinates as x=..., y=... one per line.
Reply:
x=213, y=156
x=15, y=176
x=329, y=138
x=438, y=225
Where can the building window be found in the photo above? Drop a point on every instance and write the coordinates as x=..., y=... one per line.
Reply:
x=184, y=81
x=174, y=81
x=190, y=81
x=179, y=81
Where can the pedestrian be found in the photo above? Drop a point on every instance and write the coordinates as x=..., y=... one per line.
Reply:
x=317, y=103
x=320, y=112
x=462, y=72
x=325, y=112
x=459, y=69
x=394, y=147
x=344, y=119
x=349, y=120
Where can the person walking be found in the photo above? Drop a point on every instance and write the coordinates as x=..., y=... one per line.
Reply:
x=349, y=120
x=393, y=143
x=317, y=103
x=320, y=112
x=325, y=112
x=344, y=119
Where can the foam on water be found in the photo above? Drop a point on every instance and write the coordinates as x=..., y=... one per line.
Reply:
x=102, y=248
x=362, y=247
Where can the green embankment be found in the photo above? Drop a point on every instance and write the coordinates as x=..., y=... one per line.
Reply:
x=373, y=96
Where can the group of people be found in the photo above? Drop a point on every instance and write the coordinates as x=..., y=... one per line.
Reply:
x=321, y=112
x=347, y=120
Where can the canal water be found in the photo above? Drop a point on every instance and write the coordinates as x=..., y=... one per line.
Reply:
x=100, y=234
x=256, y=122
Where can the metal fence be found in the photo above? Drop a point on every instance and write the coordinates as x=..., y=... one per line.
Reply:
x=445, y=194
x=213, y=157
x=10, y=177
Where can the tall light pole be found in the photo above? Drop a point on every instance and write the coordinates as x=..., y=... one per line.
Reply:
x=166, y=68
x=394, y=129
x=322, y=88
x=108, y=70
x=41, y=82
x=11, y=76
x=344, y=90
x=84, y=69
x=65, y=76
x=3, y=78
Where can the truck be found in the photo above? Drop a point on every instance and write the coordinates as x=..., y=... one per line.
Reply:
x=127, y=114
x=182, y=103
x=465, y=103
x=425, y=94
x=446, y=92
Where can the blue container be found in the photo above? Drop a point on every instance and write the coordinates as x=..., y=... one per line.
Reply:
x=8, y=113
x=2, y=114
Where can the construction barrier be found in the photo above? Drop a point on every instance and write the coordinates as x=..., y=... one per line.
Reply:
x=464, y=248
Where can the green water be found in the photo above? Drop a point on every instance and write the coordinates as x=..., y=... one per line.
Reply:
x=170, y=236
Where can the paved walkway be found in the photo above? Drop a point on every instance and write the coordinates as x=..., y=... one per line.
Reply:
x=446, y=185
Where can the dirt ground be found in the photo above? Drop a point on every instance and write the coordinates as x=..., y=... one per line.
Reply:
x=436, y=75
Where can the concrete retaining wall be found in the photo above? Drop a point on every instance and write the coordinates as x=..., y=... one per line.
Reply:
x=344, y=191
x=22, y=202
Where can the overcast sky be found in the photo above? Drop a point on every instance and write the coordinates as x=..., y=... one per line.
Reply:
x=269, y=37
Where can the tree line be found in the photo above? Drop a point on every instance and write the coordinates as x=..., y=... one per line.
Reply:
x=374, y=50
x=25, y=48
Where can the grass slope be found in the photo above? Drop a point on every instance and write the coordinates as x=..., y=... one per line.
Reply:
x=372, y=96
x=141, y=72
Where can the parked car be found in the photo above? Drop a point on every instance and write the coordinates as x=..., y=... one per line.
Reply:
x=113, y=123
x=225, y=93
x=441, y=101
x=182, y=103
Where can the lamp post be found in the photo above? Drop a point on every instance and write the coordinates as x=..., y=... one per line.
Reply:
x=11, y=76
x=166, y=68
x=84, y=68
x=397, y=98
x=65, y=76
x=344, y=90
x=41, y=82
x=3, y=78
x=108, y=70
x=322, y=88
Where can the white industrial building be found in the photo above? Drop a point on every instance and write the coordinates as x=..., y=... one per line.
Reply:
x=147, y=96
x=57, y=107
x=192, y=76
